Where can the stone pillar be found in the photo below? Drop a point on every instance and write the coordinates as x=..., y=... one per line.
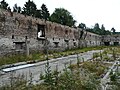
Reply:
x=27, y=47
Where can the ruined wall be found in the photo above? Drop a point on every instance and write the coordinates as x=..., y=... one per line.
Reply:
x=93, y=39
x=111, y=39
x=17, y=32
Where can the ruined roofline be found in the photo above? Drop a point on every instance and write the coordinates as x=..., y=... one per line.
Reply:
x=15, y=14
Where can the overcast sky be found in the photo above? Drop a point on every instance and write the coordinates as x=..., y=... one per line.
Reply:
x=105, y=12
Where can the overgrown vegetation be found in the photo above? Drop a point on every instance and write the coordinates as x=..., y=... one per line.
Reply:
x=69, y=79
x=84, y=75
x=41, y=56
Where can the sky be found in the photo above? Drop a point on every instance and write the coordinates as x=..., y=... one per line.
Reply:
x=105, y=12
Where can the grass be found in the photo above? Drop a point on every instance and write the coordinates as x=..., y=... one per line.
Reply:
x=20, y=58
x=85, y=76
x=96, y=68
x=41, y=57
x=55, y=80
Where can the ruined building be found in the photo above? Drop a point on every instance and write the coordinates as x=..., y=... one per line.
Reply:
x=20, y=33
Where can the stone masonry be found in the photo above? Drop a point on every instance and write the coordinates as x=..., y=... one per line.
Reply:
x=20, y=33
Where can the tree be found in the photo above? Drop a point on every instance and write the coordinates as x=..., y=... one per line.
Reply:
x=29, y=8
x=38, y=14
x=97, y=29
x=102, y=27
x=44, y=12
x=62, y=16
x=9, y=9
x=3, y=5
x=82, y=26
x=17, y=8
x=113, y=30
x=89, y=29
x=102, y=32
x=107, y=32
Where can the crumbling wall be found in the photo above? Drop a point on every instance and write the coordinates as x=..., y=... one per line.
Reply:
x=111, y=39
x=18, y=31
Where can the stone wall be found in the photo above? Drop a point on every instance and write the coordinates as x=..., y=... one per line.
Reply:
x=111, y=39
x=19, y=33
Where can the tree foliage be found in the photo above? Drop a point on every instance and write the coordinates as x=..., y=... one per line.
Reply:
x=82, y=26
x=4, y=4
x=38, y=14
x=113, y=30
x=17, y=8
x=96, y=28
x=102, y=27
x=101, y=31
x=29, y=8
x=44, y=12
x=62, y=16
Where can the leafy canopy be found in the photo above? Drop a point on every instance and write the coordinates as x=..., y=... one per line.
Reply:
x=82, y=26
x=96, y=29
x=29, y=8
x=44, y=12
x=62, y=16
x=17, y=8
x=4, y=4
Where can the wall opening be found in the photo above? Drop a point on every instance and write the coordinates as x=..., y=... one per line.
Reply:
x=56, y=44
x=41, y=31
x=74, y=43
x=19, y=45
x=116, y=43
x=26, y=37
x=90, y=42
x=66, y=31
x=67, y=43
x=107, y=43
x=53, y=38
x=12, y=36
